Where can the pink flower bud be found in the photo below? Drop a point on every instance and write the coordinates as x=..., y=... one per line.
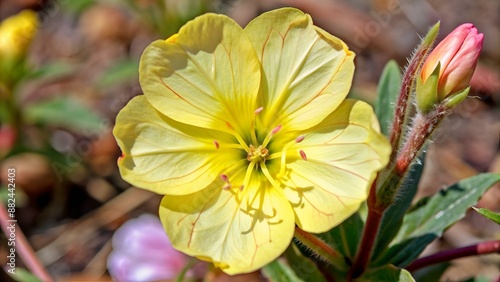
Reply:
x=142, y=252
x=457, y=55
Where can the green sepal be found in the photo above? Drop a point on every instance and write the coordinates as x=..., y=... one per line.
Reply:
x=426, y=92
x=494, y=216
x=431, y=35
x=454, y=99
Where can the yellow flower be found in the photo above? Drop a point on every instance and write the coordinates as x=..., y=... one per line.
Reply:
x=247, y=133
x=16, y=33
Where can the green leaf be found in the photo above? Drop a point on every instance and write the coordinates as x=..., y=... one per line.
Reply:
x=23, y=275
x=427, y=222
x=279, y=271
x=345, y=237
x=303, y=266
x=78, y=6
x=122, y=71
x=446, y=207
x=393, y=216
x=404, y=253
x=387, y=273
x=495, y=217
x=431, y=273
x=387, y=95
x=50, y=70
x=63, y=112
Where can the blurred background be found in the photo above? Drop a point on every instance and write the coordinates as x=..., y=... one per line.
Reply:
x=83, y=69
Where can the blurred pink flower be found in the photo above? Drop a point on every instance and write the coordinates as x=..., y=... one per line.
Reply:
x=458, y=54
x=142, y=252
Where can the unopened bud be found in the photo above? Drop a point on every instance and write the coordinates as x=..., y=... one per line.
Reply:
x=447, y=72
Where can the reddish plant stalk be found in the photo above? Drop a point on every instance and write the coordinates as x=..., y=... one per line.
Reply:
x=23, y=247
x=401, y=109
x=372, y=226
x=473, y=250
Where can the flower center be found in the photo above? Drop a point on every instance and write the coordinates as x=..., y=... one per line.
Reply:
x=258, y=154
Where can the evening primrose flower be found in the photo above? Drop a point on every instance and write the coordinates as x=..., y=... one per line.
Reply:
x=448, y=70
x=16, y=33
x=247, y=133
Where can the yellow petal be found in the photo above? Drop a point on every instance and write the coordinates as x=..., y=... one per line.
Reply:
x=343, y=154
x=238, y=231
x=307, y=73
x=167, y=157
x=206, y=75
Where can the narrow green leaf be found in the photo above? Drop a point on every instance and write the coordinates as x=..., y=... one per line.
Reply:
x=63, y=112
x=51, y=70
x=122, y=71
x=387, y=273
x=303, y=266
x=404, y=253
x=446, y=207
x=345, y=237
x=494, y=216
x=393, y=216
x=432, y=216
x=387, y=94
x=431, y=273
x=279, y=271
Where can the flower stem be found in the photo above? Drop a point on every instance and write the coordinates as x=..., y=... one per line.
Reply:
x=22, y=246
x=372, y=226
x=472, y=250
x=407, y=85
x=319, y=248
x=381, y=197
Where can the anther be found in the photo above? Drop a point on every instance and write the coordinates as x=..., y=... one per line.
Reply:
x=303, y=155
x=216, y=144
x=276, y=129
x=224, y=178
x=259, y=110
x=229, y=126
x=299, y=139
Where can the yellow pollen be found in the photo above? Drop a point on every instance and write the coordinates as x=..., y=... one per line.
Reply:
x=258, y=154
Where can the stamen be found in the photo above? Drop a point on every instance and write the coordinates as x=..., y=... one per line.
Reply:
x=238, y=137
x=276, y=129
x=224, y=178
x=270, y=135
x=248, y=173
x=268, y=176
x=303, y=155
x=299, y=139
x=283, y=158
x=252, y=125
x=216, y=144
